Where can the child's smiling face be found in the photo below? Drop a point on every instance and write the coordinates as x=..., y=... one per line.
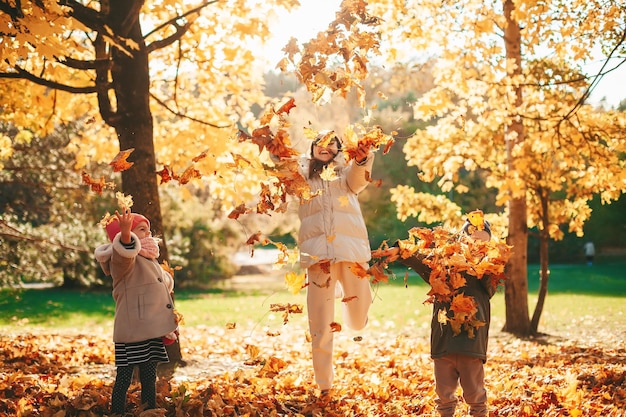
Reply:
x=326, y=153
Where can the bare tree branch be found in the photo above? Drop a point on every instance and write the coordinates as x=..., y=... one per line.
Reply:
x=173, y=20
x=10, y=232
x=184, y=116
x=180, y=29
x=598, y=77
x=25, y=75
x=94, y=20
x=162, y=43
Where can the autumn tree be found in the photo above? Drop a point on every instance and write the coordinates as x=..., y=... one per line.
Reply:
x=167, y=80
x=131, y=71
x=510, y=100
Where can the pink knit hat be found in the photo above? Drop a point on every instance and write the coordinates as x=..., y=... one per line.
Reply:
x=113, y=228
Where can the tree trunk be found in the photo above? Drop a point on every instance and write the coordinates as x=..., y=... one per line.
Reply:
x=134, y=126
x=516, y=287
x=544, y=237
x=133, y=119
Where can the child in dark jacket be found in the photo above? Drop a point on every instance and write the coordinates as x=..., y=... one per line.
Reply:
x=458, y=352
x=145, y=319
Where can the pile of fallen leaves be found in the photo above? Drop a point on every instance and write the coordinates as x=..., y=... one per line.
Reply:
x=245, y=373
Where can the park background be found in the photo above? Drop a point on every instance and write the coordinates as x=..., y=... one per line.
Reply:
x=49, y=229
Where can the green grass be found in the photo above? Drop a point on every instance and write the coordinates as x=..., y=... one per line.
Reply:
x=575, y=292
x=607, y=279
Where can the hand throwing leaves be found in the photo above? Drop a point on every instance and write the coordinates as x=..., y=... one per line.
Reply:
x=449, y=256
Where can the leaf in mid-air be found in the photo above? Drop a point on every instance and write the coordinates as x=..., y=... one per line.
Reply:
x=96, y=185
x=120, y=163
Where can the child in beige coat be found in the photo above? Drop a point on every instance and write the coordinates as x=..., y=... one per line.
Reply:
x=144, y=310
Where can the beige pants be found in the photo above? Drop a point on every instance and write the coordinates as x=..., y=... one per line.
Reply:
x=321, y=312
x=468, y=370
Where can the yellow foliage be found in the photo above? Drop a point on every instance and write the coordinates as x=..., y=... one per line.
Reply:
x=566, y=147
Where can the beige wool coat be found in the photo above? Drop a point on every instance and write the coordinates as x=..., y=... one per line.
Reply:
x=331, y=223
x=144, y=308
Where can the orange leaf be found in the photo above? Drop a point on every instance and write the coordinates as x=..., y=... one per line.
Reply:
x=325, y=266
x=165, y=174
x=286, y=108
x=238, y=211
x=377, y=273
x=199, y=157
x=257, y=238
x=96, y=185
x=358, y=270
x=189, y=174
x=261, y=136
x=119, y=163
x=335, y=327
x=457, y=281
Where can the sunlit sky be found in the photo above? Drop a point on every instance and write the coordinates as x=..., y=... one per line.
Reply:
x=303, y=24
x=314, y=16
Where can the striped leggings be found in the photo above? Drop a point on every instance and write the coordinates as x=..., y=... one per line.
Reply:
x=147, y=377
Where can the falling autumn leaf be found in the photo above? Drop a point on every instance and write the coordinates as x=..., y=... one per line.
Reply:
x=287, y=309
x=119, y=163
x=165, y=174
x=238, y=211
x=328, y=173
x=286, y=108
x=96, y=185
x=199, y=157
x=295, y=281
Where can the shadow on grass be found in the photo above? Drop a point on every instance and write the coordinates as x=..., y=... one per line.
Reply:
x=40, y=306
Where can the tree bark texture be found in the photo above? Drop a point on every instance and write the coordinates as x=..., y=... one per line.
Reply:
x=544, y=239
x=516, y=288
x=133, y=119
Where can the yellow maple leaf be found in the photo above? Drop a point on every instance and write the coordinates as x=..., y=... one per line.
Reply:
x=295, y=281
x=328, y=173
x=124, y=201
x=477, y=218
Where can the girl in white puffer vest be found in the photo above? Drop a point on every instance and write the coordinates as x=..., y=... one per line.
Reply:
x=332, y=238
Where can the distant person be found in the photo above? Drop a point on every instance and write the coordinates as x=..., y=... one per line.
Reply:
x=332, y=238
x=144, y=310
x=458, y=358
x=590, y=252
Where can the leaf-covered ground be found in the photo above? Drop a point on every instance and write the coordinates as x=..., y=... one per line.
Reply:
x=242, y=373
